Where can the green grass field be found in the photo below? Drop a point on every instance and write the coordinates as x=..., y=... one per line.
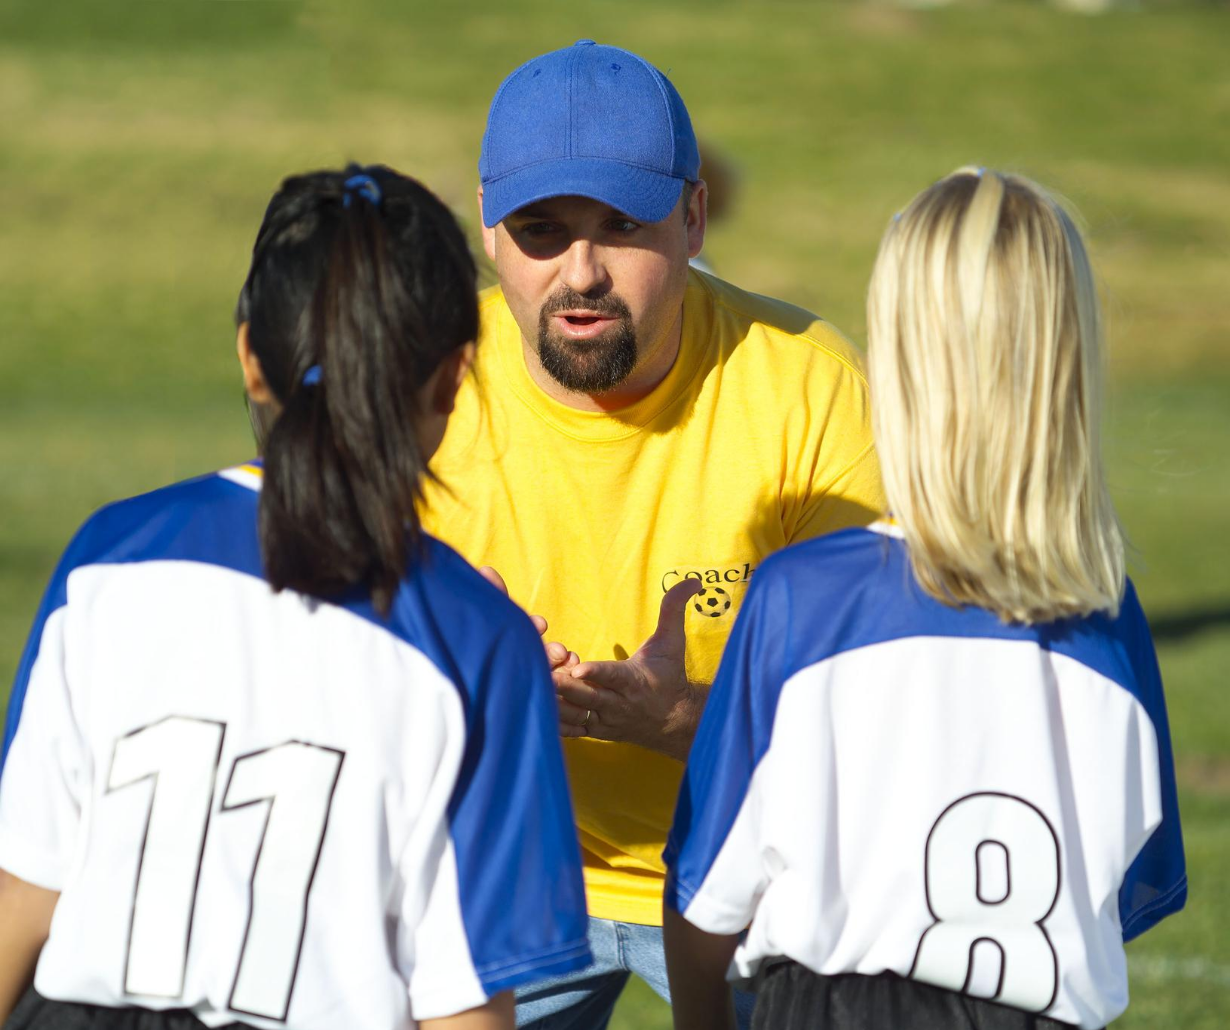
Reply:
x=141, y=140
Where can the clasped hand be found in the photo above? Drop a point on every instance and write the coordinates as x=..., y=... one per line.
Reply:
x=645, y=699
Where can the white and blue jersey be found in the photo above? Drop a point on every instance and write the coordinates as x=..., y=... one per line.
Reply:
x=278, y=810
x=881, y=782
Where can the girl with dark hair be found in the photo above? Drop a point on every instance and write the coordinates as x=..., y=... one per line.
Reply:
x=274, y=757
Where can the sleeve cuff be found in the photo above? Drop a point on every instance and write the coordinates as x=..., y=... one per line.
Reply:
x=705, y=912
x=1148, y=916
x=494, y=978
x=30, y=864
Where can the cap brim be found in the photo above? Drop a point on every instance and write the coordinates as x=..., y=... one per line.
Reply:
x=643, y=195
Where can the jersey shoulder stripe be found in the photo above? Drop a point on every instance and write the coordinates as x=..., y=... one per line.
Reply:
x=444, y=607
x=165, y=524
x=196, y=520
x=863, y=578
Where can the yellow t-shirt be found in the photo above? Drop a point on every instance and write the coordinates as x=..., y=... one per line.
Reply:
x=758, y=436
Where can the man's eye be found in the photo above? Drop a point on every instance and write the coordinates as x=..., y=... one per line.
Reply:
x=539, y=228
x=622, y=225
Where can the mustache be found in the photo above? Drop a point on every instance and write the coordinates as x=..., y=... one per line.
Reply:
x=609, y=305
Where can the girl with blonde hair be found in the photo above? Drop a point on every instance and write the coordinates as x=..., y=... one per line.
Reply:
x=933, y=785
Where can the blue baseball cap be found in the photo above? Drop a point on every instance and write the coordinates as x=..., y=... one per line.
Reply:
x=587, y=121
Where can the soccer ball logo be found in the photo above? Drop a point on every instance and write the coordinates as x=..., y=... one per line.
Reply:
x=713, y=602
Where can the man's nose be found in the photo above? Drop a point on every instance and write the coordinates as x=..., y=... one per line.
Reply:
x=583, y=269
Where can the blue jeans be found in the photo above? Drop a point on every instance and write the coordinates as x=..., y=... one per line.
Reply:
x=584, y=1000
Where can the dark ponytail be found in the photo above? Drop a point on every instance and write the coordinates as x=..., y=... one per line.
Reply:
x=361, y=283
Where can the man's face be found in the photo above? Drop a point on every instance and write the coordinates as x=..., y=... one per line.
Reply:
x=595, y=292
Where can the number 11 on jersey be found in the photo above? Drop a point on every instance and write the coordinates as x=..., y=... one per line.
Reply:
x=181, y=755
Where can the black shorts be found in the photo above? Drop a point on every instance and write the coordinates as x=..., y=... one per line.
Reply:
x=34, y=1012
x=792, y=997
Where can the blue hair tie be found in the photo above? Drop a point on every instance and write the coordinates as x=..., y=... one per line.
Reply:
x=311, y=377
x=362, y=185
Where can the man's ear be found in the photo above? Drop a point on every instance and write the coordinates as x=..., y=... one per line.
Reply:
x=254, y=382
x=449, y=376
x=697, y=218
x=488, y=234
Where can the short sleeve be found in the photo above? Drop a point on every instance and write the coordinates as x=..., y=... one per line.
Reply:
x=509, y=889
x=45, y=761
x=1156, y=882
x=714, y=872
x=837, y=482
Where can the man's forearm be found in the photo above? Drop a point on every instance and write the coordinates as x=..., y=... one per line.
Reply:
x=681, y=725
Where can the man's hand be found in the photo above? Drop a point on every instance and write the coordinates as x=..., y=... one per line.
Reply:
x=645, y=699
x=571, y=718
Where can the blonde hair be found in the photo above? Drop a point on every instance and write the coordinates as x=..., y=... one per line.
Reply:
x=985, y=362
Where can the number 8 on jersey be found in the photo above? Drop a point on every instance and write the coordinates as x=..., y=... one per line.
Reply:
x=992, y=875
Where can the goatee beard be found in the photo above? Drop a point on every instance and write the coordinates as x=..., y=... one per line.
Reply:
x=587, y=366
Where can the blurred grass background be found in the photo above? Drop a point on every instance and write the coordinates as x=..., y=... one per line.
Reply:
x=139, y=142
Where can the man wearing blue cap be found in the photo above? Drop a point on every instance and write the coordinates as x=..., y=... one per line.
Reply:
x=636, y=438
